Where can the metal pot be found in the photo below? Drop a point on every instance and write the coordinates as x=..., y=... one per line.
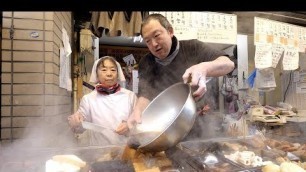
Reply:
x=166, y=121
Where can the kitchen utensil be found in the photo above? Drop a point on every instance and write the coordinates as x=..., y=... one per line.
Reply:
x=167, y=119
x=156, y=132
x=94, y=127
x=184, y=160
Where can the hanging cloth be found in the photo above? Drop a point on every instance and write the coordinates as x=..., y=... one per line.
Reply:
x=118, y=23
x=66, y=42
x=110, y=14
x=127, y=15
x=101, y=21
x=134, y=26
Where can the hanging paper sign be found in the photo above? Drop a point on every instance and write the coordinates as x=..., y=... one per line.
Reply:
x=263, y=56
x=291, y=58
x=265, y=78
x=277, y=52
x=275, y=32
x=129, y=59
x=216, y=27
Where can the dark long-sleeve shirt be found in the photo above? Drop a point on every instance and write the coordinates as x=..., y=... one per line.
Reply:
x=154, y=77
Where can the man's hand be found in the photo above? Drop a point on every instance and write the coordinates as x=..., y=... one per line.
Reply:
x=198, y=78
x=199, y=72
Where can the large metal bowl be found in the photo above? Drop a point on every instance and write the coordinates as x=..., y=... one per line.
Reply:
x=167, y=119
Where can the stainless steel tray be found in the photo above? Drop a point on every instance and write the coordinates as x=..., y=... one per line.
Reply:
x=197, y=148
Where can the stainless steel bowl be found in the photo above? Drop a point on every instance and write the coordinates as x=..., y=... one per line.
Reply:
x=167, y=119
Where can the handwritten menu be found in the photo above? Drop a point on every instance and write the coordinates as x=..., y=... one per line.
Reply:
x=268, y=55
x=263, y=56
x=205, y=26
x=291, y=58
x=274, y=32
x=287, y=41
x=277, y=52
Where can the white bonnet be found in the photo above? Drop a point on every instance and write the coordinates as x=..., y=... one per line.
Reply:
x=94, y=78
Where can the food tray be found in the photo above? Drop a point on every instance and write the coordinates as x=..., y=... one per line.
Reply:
x=185, y=162
x=223, y=164
x=113, y=165
x=198, y=149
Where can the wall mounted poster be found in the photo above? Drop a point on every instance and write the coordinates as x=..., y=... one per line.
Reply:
x=205, y=26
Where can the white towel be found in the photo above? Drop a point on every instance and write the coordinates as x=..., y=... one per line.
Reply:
x=66, y=43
